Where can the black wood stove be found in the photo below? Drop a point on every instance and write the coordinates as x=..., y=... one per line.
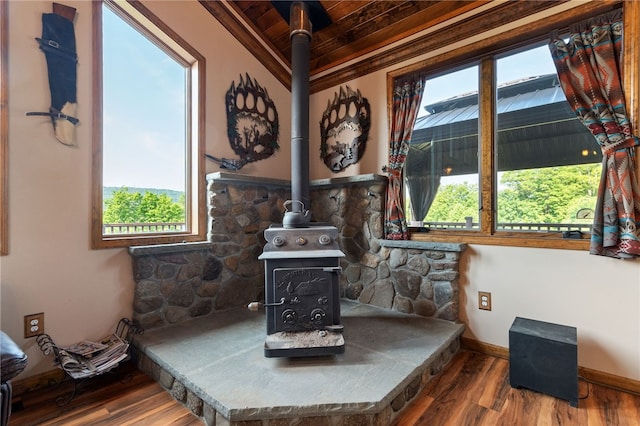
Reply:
x=302, y=259
x=302, y=294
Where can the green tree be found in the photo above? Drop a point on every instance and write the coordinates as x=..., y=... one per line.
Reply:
x=134, y=207
x=453, y=203
x=547, y=195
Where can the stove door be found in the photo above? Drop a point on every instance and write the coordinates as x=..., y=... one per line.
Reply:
x=304, y=298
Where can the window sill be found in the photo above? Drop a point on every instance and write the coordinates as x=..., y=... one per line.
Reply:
x=138, y=251
x=424, y=245
x=550, y=241
x=104, y=242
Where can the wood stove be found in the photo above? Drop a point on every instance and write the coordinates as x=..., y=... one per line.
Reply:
x=302, y=259
x=302, y=291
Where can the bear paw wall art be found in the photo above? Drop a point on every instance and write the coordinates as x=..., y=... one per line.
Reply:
x=344, y=129
x=252, y=121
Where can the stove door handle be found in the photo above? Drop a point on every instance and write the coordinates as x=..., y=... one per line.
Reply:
x=254, y=306
x=334, y=269
x=280, y=303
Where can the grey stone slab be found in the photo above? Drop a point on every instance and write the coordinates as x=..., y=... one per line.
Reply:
x=424, y=245
x=137, y=251
x=202, y=341
x=276, y=387
x=221, y=359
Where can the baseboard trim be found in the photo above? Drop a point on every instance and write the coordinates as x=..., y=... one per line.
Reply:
x=38, y=381
x=594, y=376
x=484, y=348
x=610, y=380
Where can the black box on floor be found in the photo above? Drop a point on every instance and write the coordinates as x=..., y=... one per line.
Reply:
x=544, y=357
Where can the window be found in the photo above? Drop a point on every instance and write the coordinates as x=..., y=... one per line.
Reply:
x=148, y=171
x=501, y=159
x=441, y=171
x=548, y=163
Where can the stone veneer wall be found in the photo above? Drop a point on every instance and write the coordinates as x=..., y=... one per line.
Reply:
x=406, y=276
x=179, y=281
x=175, y=282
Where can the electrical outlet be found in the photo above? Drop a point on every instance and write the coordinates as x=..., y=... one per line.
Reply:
x=484, y=300
x=33, y=325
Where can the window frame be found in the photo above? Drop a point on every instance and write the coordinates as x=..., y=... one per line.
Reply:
x=486, y=52
x=141, y=18
x=4, y=128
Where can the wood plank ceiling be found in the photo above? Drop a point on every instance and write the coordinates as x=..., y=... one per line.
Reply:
x=344, y=49
x=357, y=27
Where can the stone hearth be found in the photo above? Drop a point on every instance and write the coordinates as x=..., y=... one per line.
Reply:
x=216, y=366
x=399, y=311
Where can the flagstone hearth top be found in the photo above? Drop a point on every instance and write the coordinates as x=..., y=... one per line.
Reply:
x=224, y=177
x=221, y=359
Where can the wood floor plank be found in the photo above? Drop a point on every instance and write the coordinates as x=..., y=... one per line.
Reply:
x=520, y=404
x=503, y=390
x=610, y=407
x=459, y=383
x=123, y=402
x=631, y=406
x=140, y=409
x=104, y=401
x=594, y=410
x=163, y=415
x=490, y=387
x=77, y=418
x=415, y=410
x=84, y=403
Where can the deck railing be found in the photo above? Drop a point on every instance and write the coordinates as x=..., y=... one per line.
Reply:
x=142, y=228
x=520, y=227
x=149, y=228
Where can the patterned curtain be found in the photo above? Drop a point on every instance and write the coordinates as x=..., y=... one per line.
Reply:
x=589, y=68
x=407, y=96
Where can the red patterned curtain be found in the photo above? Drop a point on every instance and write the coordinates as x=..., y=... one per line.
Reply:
x=589, y=68
x=407, y=96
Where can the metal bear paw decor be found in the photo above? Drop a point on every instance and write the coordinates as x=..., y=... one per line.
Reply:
x=344, y=129
x=252, y=121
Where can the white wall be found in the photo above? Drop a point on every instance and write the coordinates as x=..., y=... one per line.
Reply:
x=597, y=295
x=51, y=267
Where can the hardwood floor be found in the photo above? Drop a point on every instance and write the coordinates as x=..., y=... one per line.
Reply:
x=472, y=390
x=129, y=398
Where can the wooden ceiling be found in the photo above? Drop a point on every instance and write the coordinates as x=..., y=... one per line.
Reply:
x=343, y=50
x=357, y=27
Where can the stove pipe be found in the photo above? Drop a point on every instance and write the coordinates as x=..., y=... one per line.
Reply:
x=300, y=24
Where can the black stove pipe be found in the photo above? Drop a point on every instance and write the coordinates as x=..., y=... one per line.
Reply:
x=298, y=216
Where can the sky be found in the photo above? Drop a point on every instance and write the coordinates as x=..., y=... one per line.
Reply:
x=533, y=62
x=138, y=74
